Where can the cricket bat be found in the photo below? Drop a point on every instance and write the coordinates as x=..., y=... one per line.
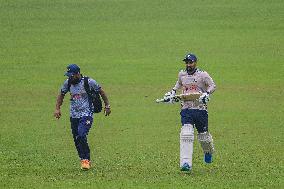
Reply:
x=184, y=97
x=189, y=96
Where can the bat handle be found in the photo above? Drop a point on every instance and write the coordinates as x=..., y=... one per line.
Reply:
x=159, y=100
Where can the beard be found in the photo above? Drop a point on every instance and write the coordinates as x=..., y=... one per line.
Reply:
x=190, y=70
x=75, y=81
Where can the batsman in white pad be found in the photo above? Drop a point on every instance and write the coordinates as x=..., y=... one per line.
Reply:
x=196, y=86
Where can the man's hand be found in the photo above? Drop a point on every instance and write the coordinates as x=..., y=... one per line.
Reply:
x=57, y=113
x=204, y=98
x=107, y=110
x=169, y=96
x=59, y=101
x=171, y=100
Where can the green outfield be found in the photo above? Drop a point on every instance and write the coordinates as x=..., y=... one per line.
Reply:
x=134, y=50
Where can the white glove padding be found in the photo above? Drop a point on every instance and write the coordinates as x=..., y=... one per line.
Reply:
x=171, y=100
x=170, y=94
x=204, y=98
x=169, y=97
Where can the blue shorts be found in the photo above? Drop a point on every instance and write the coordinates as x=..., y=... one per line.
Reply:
x=81, y=126
x=197, y=118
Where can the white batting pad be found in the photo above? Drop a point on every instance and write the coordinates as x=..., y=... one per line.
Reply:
x=186, y=144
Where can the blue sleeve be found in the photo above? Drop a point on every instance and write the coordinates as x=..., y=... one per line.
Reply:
x=94, y=85
x=64, y=88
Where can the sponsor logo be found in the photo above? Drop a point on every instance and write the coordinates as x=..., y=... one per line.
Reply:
x=76, y=96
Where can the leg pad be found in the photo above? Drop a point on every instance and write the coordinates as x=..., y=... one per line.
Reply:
x=206, y=142
x=186, y=144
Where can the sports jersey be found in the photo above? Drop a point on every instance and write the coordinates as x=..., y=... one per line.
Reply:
x=79, y=102
x=199, y=81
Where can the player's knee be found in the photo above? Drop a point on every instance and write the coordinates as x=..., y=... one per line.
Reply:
x=81, y=139
x=82, y=132
x=187, y=132
x=206, y=142
x=205, y=137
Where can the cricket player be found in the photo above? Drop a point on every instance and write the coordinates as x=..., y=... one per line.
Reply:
x=81, y=110
x=193, y=112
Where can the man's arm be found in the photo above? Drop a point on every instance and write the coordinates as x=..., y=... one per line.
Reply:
x=59, y=101
x=107, y=110
x=178, y=84
x=211, y=86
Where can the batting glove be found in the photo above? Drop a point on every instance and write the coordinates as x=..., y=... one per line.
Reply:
x=204, y=98
x=169, y=97
x=170, y=94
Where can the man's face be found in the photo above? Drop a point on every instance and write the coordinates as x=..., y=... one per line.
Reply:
x=75, y=79
x=190, y=65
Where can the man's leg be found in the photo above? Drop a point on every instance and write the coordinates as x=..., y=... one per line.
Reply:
x=186, y=147
x=206, y=142
x=74, y=128
x=84, y=126
x=204, y=137
x=80, y=129
x=186, y=140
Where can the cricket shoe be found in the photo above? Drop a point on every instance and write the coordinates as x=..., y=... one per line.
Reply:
x=85, y=164
x=208, y=158
x=185, y=167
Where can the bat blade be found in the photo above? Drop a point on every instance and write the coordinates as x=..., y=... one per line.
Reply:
x=189, y=96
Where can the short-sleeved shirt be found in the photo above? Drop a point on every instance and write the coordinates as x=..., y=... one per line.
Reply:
x=200, y=81
x=79, y=103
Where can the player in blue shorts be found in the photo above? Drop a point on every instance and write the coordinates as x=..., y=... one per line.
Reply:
x=81, y=109
x=194, y=112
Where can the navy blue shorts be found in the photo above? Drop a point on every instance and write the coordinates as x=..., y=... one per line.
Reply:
x=81, y=126
x=197, y=118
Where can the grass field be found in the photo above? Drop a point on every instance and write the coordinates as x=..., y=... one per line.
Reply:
x=134, y=50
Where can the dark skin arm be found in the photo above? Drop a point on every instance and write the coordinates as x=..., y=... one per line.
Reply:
x=59, y=101
x=107, y=110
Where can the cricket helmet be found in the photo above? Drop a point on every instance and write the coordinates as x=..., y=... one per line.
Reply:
x=190, y=57
x=72, y=69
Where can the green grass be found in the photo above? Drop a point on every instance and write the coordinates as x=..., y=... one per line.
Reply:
x=134, y=49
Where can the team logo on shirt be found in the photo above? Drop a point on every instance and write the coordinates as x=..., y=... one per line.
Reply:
x=190, y=88
x=76, y=96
